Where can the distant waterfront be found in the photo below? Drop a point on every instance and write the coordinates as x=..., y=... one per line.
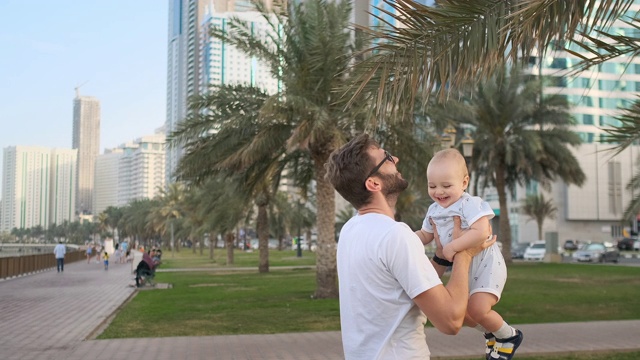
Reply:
x=17, y=249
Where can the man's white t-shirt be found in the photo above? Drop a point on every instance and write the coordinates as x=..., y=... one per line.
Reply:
x=382, y=266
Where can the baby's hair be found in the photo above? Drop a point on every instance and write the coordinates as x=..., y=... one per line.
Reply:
x=451, y=154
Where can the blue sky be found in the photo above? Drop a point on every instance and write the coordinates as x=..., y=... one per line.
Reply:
x=47, y=48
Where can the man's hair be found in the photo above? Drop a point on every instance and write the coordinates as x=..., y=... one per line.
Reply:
x=348, y=167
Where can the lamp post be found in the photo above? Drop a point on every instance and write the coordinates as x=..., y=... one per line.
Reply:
x=299, y=246
x=467, y=148
x=448, y=137
x=467, y=152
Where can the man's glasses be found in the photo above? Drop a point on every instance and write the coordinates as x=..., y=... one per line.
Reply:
x=387, y=157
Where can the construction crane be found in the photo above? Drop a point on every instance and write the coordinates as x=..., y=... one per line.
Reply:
x=77, y=88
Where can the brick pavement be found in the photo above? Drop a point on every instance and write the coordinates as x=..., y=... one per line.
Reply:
x=50, y=316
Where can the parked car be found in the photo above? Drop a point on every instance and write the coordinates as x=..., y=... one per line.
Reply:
x=535, y=251
x=596, y=252
x=517, y=251
x=570, y=245
x=636, y=245
x=625, y=244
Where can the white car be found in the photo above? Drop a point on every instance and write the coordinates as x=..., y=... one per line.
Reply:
x=535, y=251
x=636, y=245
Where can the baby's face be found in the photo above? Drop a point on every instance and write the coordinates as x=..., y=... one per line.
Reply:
x=447, y=182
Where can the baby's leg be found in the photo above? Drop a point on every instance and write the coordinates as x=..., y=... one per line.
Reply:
x=480, y=311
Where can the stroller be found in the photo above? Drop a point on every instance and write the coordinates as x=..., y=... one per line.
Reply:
x=146, y=269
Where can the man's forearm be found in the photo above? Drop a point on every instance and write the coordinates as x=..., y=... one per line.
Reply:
x=458, y=286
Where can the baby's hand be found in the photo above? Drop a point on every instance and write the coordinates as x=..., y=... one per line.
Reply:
x=448, y=252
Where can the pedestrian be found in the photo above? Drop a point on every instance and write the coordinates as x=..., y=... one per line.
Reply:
x=447, y=179
x=59, y=252
x=89, y=251
x=105, y=258
x=388, y=287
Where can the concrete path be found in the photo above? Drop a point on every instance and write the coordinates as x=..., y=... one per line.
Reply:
x=50, y=316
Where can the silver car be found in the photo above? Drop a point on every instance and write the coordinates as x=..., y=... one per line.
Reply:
x=596, y=252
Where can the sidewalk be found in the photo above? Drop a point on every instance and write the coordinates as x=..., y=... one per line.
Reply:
x=50, y=316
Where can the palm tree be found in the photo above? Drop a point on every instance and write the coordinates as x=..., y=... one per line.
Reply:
x=310, y=51
x=455, y=43
x=170, y=208
x=538, y=209
x=219, y=140
x=518, y=138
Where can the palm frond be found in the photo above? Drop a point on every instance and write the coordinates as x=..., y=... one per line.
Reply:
x=459, y=42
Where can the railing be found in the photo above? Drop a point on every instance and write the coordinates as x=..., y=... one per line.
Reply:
x=22, y=265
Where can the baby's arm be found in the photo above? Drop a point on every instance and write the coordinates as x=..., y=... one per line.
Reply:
x=425, y=237
x=478, y=232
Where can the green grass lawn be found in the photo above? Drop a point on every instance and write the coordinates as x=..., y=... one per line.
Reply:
x=186, y=259
x=215, y=303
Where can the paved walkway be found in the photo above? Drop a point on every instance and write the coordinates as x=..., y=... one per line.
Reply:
x=51, y=316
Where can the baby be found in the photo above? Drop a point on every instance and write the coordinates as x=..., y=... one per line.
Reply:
x=448, y=179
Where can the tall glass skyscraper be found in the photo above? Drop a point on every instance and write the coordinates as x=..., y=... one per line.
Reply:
x=86, y=138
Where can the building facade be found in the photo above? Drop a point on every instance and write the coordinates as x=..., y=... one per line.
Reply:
x=132, y=171
x=594, y=211
x=86, y=139
x=105, y=190
x=183, y=67
x=38, y=187
x=225, y=64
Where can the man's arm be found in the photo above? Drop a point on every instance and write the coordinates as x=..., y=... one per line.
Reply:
x=446, y=306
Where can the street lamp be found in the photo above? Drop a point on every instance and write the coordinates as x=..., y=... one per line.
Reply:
x=467, y=147
x=299, y=246
x=448, y=137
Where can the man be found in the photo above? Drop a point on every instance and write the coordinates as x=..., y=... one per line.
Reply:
x=147, y=267
x=388, y=286
x=59, y=252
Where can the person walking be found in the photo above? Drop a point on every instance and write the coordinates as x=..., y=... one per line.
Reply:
x=59, y=252
x=388, y=286
x=89, y=251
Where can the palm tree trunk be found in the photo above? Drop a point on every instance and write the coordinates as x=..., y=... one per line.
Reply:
x=326, y=265
x=504, y=235
x=229, y=243
x=263, y=238
x=212, y=241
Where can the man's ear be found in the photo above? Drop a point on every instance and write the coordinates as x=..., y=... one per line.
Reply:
x=373, y=184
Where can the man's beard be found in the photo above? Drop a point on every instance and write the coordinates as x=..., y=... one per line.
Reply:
x=393, y=184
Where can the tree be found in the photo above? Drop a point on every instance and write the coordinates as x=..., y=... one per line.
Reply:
x=170, y=207
x=310, y=51
x=220, y=140
x=538, y=209
x=448, y=46
x=519, y=138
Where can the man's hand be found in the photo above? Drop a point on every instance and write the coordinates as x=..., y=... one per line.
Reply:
x=436, y=237
x=449, y=252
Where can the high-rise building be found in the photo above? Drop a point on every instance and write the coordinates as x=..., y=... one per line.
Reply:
x=184, y=64
x=141, y=171
x=594, y=211
x=38, y=187
x=132, y=171
x=225, y=64
x=86, y=138
x=105, y=188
